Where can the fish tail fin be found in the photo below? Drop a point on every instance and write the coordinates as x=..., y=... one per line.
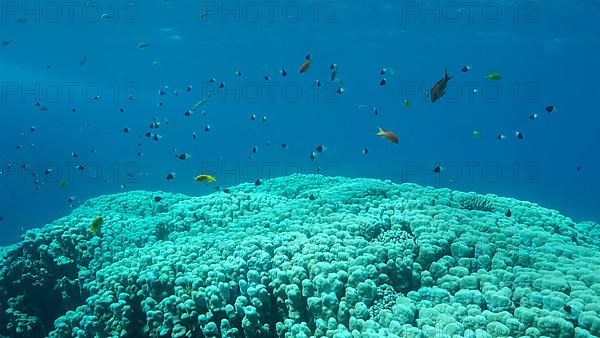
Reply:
x=380, y=131
x=446, y=76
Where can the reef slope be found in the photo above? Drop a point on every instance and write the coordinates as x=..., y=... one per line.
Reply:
x=302, y=256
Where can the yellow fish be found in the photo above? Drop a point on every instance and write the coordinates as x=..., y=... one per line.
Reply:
x=96, y=225
x=205, y=178
x=494, y=76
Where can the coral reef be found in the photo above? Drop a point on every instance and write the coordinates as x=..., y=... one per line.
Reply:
x=361, y=258
x=480, y=203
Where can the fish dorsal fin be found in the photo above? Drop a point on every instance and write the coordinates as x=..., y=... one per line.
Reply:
x=446, y=77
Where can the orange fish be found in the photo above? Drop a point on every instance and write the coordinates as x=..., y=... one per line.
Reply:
x=307, y=62
x=388, y=135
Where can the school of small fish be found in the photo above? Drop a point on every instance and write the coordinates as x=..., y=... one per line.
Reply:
x=307, y=65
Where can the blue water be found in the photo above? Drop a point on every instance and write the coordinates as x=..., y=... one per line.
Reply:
x=543, y=50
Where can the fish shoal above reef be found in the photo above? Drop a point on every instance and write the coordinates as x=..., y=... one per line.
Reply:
x=304, y=256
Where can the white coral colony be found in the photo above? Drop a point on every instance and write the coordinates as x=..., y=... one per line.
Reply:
x=361, y=258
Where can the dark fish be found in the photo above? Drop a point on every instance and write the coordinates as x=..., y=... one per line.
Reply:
x=32, y=129
x=320, y=148
x=340, y=90
x=226, y=190
x=254, y=149
x=365, y=151
x=122, y=110
x=508, y=213
x=318, y=83
x=257, y=182
x=187, y=113
x=568, y=309
x=375, y=111
x=157, y=198
x=238, y=73
x=75, y=155
x=439, y=88
x=253, y=117
x=183, y=156
x=311, y=197
x=578, y=168
x=284, y=146
x=207, y=128
x=333, y=69
x=533, y=116
x=264, y=119
x=437, y=169
x=126, y=130
x=465, y=69
x=550, y=109
x=189, y=88
x=222, y=85
x=313, y=155
x=156, y=137
x=267, y=78
x=148, y=134
x=283, y=73
x=382, y=82
x=519, y=135
x=170, y=176
x=500, y=137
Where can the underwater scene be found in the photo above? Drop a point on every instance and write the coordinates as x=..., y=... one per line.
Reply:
x=302, y=168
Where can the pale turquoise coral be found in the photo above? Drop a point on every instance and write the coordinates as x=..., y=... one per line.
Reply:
x=268, y=261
